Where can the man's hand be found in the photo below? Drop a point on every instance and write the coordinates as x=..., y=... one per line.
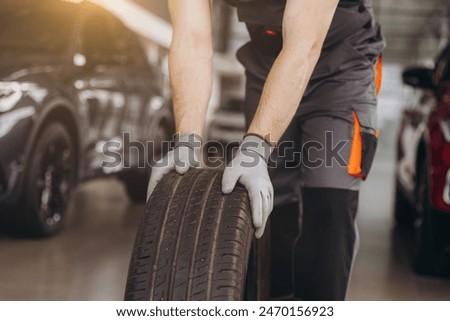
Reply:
x=186, y=154
x=249, y=168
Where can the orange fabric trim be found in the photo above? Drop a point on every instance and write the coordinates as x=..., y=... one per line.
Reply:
x=354, y=164
x=378, y=74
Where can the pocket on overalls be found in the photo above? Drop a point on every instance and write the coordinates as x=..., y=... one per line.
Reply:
x=365, y=136
x=364, y=145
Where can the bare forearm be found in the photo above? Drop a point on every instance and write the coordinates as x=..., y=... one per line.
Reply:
x=282, y=94
x=191, y=79
x=190, y=63
x=305, y=25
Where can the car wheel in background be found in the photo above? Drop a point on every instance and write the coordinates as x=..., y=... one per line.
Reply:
x=404, y=212
x=428, y=247
x=51, y=178
x=136, y=182
x=193, y=243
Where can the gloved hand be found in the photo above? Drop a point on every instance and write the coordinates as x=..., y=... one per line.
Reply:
x=186, y=154
x=249, y=167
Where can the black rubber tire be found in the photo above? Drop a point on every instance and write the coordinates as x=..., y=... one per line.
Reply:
x=52, y=170
x=136, y=180
x=193, y=243
x=428, y=246
x=135, y=183
x=404, y=211
x=258, y=273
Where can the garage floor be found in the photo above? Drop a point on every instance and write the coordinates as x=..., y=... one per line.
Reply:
x=89, y=260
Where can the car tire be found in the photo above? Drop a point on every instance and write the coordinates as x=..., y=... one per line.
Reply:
x=257, y=287
x=136, y=180
x=193, y=242
x=135, y=183
x=404, y=212
x=50, y=181
x=428, y=247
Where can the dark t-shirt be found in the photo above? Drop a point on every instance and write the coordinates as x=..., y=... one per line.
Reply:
x=271, y=11
x=353, y=22
x=344, y=72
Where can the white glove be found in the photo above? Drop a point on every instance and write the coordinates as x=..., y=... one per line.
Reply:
x=249, y=167
x=186, y=154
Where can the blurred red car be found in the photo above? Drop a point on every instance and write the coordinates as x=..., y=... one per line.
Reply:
x=423, y=166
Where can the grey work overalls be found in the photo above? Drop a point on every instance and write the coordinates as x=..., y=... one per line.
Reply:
x=313, y=232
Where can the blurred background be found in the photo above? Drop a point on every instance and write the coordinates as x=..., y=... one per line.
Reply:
x=77, y=74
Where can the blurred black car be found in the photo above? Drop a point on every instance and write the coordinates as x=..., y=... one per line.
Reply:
x=423, y=166
x=72, y=77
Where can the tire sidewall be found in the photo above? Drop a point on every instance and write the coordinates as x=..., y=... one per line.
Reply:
x=404, y=212
x=426, y=249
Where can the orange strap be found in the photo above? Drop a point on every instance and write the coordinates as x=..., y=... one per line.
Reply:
x=355, y=162
x=378, y=74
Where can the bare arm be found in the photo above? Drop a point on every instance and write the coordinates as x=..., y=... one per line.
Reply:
x=190, y=63
x=305, y=25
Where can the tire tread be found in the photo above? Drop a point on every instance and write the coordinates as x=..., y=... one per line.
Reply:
x=193, y=242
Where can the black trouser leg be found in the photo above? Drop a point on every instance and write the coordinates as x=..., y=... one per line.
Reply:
x=324, y=250
x=284, y=229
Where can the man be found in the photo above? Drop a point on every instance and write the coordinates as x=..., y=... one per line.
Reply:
x=311, y=89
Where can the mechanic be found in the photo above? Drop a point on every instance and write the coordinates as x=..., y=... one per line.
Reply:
x=313, y=69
